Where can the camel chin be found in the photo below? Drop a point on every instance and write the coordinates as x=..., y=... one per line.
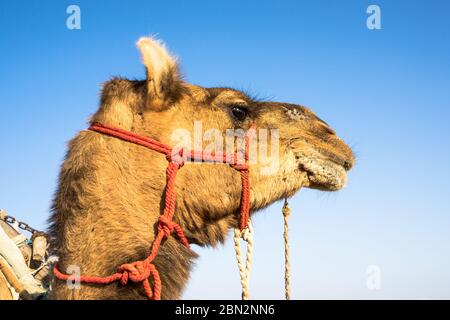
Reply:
x=323, y=174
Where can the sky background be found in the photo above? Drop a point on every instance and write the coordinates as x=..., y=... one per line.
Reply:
x=386, y=92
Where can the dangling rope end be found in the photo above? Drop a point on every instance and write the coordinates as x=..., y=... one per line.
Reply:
x=287, y=277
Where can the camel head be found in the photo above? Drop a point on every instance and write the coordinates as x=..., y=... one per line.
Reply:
x=293, y=147
x=116, y=188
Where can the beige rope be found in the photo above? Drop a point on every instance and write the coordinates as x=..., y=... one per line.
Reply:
x=244, y=269
x=287, y=277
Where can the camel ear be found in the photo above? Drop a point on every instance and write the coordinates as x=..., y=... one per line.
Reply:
x=164, y=84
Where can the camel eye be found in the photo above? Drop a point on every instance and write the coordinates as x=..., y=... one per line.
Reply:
x=239, y=112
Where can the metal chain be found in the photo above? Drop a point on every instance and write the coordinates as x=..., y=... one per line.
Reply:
x=22, y=225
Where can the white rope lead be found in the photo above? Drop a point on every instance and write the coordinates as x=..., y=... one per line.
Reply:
x=287, y=270
x=244, y=269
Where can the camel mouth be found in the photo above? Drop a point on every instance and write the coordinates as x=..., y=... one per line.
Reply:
x=323, y=174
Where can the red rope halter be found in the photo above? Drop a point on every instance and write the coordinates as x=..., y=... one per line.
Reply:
x=141, y=271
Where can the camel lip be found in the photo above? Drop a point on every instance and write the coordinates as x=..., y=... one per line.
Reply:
x=324, y=174
x=347, y=164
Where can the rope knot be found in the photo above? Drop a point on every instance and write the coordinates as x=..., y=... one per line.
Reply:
x=176, y=157
x=140, y=272
x=166, y=225
x=286, y=210
x=137, y=272
x=246, y=233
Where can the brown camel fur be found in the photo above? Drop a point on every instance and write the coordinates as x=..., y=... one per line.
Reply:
x=111, y=192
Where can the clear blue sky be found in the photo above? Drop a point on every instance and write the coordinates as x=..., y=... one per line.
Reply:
x=385, y=91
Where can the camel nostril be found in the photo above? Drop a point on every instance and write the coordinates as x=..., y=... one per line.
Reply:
x=348, y=165
x=349, y=162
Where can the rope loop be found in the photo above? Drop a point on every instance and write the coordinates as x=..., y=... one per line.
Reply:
x=165, y=225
